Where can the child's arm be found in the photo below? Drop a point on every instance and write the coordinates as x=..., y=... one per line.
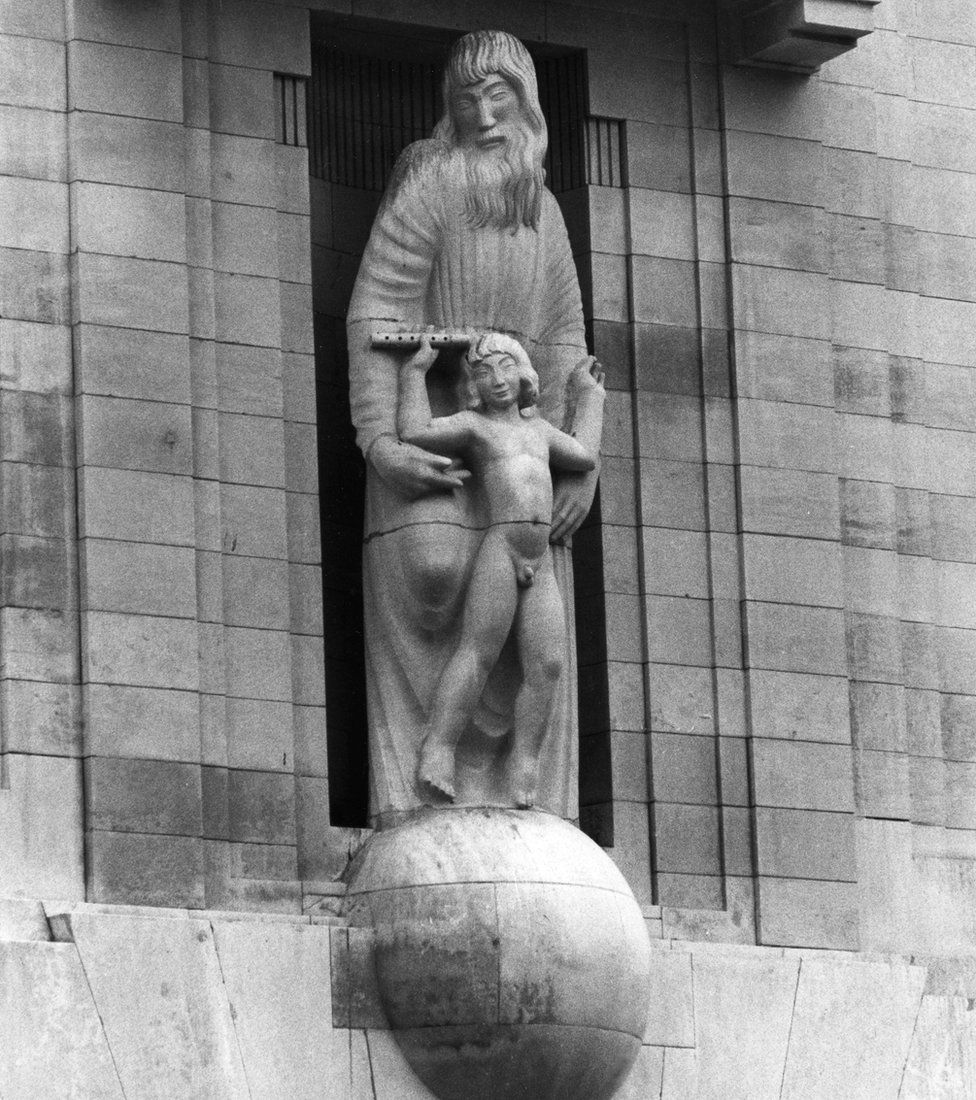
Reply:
x=442, y=434
x=566, y=453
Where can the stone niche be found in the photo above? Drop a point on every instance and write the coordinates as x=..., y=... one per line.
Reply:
x=797, y=34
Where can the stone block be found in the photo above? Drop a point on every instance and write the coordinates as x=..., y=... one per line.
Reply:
x=805, y=913
x=668, y=359
x=128, y=221
x=142, y=796
x=138, y=578
x=255, y=592
x=35, y=428
x=159, y=991
x=852, y=1028
x=687, y=839
x=119, y=80
x=662, y=224
x=38, y=573
x=298, y=386
x=777, y=234
x=131, y=293
x=670, y=427
x=37, y=500
x=679, y=631
x=682, y=699
x=260, y=807
x=631, y=852
x=51, y=1037
x=118, y=362
x=743, y=1010
x=247, y=310
x=790, y=570
x=41, y=718
x=23, y=920
x=243, y=170
x=38, y=645
x=311, y=749
x=617, y=491
x=249, y=380
x=789, y=638
x=805, y=844
x=680, y=1076
x=677, y=562
x=252, y=450
x=276, y=975
x=802, y=775
x=684, y=769
x=44, y=19
x=664, y=292
x=690, y=893
x=139, y=650
x=35, y=357
x=874, y=648
x=245, y=239
x=253, y=521
x=868, y=513
x=258, y=664
x=646, y=1078
x=789, y=502
x=136, y=506
x=34, y=285
x=41, y=822
x=155, y=27
x=132, y=152
x=36, y=214
x=308, y=665
x=787, y=436
x=146, y=723
x=671, y=1019
x=241, y=101
x=137, y=869
x=774, y=167
x=32, y=72
x=262, y=36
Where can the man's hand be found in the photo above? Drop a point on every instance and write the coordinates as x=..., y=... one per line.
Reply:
x=413, y=471
x=572, y=499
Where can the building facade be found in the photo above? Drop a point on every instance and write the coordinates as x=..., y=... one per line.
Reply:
x=773, y=213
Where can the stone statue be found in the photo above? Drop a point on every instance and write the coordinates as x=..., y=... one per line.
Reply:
x=467, y=240
x=512, y=585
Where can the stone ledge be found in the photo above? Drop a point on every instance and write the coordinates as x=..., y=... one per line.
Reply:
x=797, y=35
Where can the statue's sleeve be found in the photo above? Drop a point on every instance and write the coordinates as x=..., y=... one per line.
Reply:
x=391, y=287
x=563, y=338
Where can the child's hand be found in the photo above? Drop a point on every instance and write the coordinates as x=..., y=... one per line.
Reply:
x=588, y=374
x=423, y=358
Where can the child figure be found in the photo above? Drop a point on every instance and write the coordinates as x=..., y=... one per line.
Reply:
x=512, y=581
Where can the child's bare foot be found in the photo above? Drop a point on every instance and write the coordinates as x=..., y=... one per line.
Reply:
x=524, y=780
x=435, y=768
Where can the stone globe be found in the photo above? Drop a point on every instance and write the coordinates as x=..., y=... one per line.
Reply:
x=511, y=957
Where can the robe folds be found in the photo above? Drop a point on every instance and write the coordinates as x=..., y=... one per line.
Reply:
x=425, y=265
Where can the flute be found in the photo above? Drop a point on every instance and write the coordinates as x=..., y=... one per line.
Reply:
x=411, y=340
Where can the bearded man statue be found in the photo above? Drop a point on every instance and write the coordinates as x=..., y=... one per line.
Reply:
x=467, y=238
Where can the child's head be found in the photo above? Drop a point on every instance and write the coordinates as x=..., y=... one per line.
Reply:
x=493, y=349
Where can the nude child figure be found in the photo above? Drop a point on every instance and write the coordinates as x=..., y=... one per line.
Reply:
x=512, y=582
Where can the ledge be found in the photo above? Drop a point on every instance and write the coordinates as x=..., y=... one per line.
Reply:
x=797, y=35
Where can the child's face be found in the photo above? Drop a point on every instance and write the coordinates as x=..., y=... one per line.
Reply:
x=497, y=381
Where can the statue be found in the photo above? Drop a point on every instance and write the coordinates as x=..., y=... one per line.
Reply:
x=512, y=584
x=479, y=413
x=467, y=240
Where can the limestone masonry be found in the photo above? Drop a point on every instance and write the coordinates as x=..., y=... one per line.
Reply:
x=765, y=711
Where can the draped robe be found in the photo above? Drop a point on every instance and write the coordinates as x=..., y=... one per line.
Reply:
x=425, y=265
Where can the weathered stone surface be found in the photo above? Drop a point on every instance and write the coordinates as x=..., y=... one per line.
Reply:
x=852, y=1029
x=277, y=978
x=158, y=989
x=51, y=1038
x=23, y=919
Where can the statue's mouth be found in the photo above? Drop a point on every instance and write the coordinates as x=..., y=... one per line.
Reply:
x=491, y=142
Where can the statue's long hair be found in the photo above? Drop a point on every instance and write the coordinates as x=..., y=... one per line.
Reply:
x=504, y=194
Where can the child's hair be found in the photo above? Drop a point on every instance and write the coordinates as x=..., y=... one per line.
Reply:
x=496, y=343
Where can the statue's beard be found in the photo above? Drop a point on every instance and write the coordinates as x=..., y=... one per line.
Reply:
x=503, y=187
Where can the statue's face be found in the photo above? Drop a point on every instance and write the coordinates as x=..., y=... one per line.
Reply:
x=497, y=381
x=487, y=114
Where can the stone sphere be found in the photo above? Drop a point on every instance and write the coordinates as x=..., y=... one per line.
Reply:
x=511, y=957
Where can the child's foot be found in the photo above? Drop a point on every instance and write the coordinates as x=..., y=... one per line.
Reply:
x=524, y=781
x=435, y=768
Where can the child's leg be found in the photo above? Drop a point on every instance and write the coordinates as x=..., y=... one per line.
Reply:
x=489, y=609
x=540, y=625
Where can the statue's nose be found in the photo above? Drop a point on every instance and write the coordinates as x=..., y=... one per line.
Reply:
x=486, y=116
